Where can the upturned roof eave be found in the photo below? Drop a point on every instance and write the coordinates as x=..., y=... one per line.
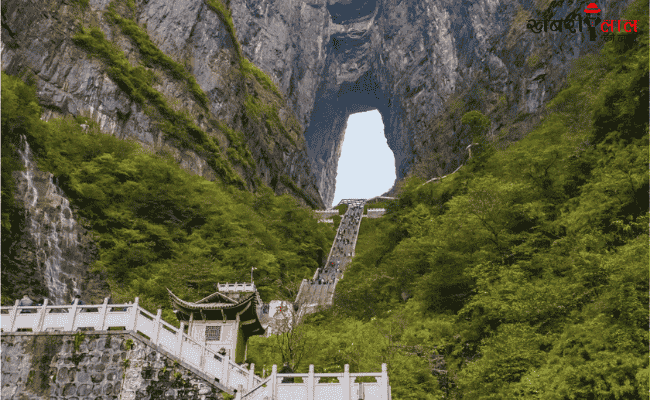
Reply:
x=176, y=301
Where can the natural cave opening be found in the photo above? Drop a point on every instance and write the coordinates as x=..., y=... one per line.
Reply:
x=335, y=102
x=366, y=167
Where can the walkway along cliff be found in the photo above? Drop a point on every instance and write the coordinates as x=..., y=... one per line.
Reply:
x=54, y=351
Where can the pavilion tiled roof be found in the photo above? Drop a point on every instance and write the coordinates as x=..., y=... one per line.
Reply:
x=204, y=305
x=224, y=309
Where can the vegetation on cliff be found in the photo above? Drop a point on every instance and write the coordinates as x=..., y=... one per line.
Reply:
x=258, y=98
x=156, y=225
x=137, y=83
x=524, y=274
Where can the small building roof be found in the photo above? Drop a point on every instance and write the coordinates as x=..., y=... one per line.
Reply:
x=219, y=307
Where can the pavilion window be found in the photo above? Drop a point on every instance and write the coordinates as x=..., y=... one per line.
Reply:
x=212, y=333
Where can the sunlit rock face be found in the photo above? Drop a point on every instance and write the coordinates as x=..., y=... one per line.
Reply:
x=408, y=59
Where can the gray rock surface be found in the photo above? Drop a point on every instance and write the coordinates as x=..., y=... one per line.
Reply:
x=37, y=41
x=408, y=59
x=421, y=63
x=52, y=258
x=106, y=365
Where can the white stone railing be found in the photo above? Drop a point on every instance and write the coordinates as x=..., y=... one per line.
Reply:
x=380, y=198
x=236, y=287
x=356, y=236
x=321, y=214
x=376, y=212
x=311, y=389
x=129, y=317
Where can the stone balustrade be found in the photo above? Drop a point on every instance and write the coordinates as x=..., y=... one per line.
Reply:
x=311, y=389
x=376, y=212
x=128, y=317
x=326, y=214
x=236, y=287
x=228, y=375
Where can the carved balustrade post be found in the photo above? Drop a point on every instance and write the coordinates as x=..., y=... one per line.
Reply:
x=225, y=371
x=156, y=327
x=311, y=385
x=72, y=315
x=12, y=315
x=345, y=382
x=102, y=315
x=384, y=382
x=251, y=375
x=202, y=361
x=274, y=382
x=133, y=318
x=179, y=341
x=41, y=317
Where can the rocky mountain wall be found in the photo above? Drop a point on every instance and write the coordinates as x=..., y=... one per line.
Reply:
x=421, y=63
x=55, y=247
x=253, y=145
x=38, y=41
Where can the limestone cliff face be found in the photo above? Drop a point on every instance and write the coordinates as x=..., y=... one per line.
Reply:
x=37, y=40
x=421, y=63
x=52, y=257
x=52, y=252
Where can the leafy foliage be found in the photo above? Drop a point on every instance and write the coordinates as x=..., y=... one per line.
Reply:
x=157, y=226
x=524, y=274
x=226, y=17
x=152, y=55
x=248, y=68
x=260, y=111
x=478, y=123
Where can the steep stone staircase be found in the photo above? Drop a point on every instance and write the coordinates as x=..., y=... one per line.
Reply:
x=319, y=291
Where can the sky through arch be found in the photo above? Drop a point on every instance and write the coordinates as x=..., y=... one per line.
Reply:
x=367, y=165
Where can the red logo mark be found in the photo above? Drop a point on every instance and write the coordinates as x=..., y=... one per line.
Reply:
x=592, y=8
